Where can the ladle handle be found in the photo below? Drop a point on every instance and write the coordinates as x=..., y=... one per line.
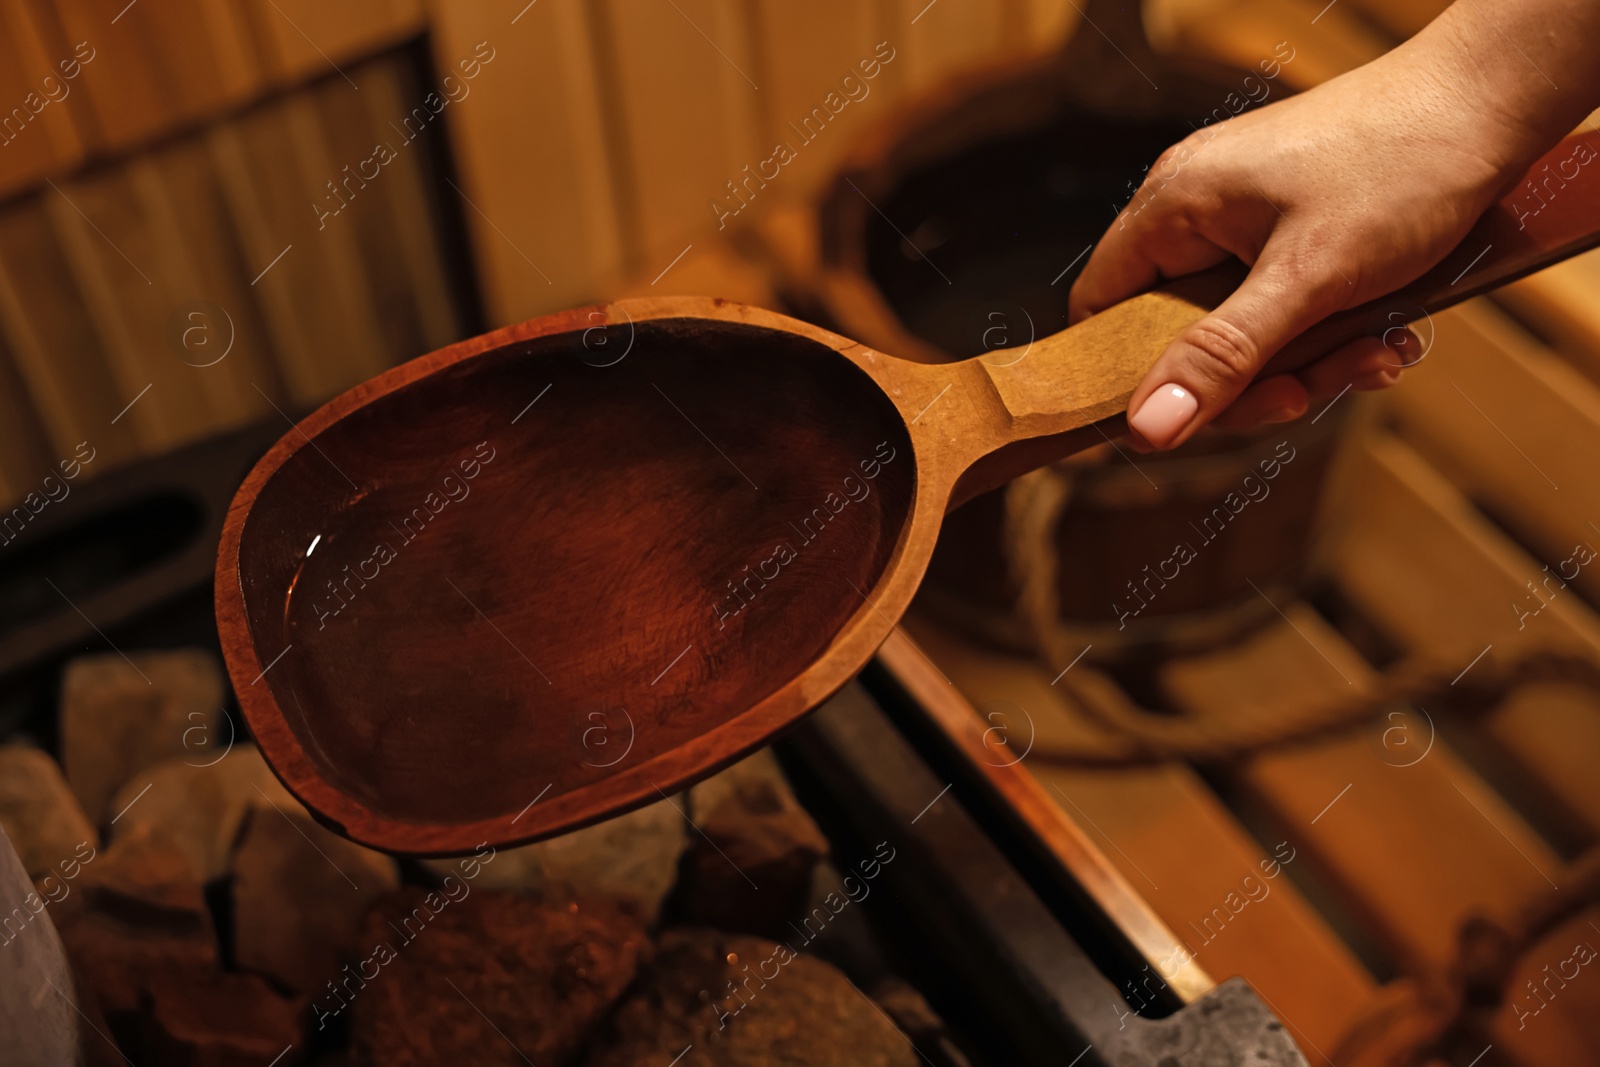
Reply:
x=1552, y=213
x=1087, y=373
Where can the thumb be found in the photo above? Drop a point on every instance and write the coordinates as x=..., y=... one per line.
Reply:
x=1203, y=371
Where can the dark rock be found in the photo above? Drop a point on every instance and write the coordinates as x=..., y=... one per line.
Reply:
x=40, y=813
x=197, y=1018
x=918, y=1021
x=749, y=869
x=118, y=718
x=631, y=859
x=116, y=960
x=489, y=978
x=721, y=1000
x=300, y=894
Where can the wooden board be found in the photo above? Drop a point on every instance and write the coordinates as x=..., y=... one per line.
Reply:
x=299, y=39
x=1560, y=305
x=805, y=53
x=158, y=66
x=1411, y=553
x=392, y=218
x=1175, y=843
x=1413, y=850
x=24, y=449
x=275, y=165
x=1243, y=33
x=119, y=230
x=1516, y=428
x=943, y=37
x=686, y=85
x=56, y=350
x=534, y=123
x=43, y=137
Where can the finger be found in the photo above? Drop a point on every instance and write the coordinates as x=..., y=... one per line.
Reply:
x=1209, y=366
x=1366, y=363
x=1275, y=398
x=1140, y=249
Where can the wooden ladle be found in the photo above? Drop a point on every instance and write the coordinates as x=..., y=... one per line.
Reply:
x=564, y=569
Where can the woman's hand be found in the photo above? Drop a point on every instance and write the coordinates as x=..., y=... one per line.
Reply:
x=1333, y=197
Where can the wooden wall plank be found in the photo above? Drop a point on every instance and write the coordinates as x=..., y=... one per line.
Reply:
x=943, y=37
x=1175, y=843
x=184, y=200
x=687, y=102
x=805, y=53
x=413, y=215
x=531, y=153
x=157, y=66
x=275, y=165
x=134, y=272
x=38, y=103
x=56, y=350
x=390, y=218
x=1242, y=33
x=25, y=453
x=300, y=39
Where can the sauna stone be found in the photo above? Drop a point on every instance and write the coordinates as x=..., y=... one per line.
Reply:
x=115, y=961
x=119, y=718
x=711, y=992
x=749, y=869
x=299, y=896
x=493, y=978
x=202, y=1018
x=631, y=859
x=201, y=808
x=39, y=811
x=145, y=880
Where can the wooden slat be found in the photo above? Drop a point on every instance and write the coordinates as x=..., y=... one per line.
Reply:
x=184, y=202
x=1515, y=427
x=24, y=448
x=56, y=350
x=158, y=66
x=946, y=37
x=309, y=280
x=391, y=218
x=1243, y=33
x=411, y=195
x=1000, y=766
x=1176, y=844
x=299, y=39
x=1415, y=557
x=805, y=53
x=1413, y=850
x=534, y=123
x=1560, y=303
x=686, y=87
x=120, y=233
x=43, y=137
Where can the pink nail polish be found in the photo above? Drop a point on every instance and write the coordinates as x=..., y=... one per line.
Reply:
x=1164, y=414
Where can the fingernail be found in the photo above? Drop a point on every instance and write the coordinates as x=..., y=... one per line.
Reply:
x=1285, y=414
x=1164, y=414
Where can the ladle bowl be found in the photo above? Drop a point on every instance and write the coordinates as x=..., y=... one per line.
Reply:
x=566, y=568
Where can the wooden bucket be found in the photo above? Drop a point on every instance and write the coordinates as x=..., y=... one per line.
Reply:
x=956, y=228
